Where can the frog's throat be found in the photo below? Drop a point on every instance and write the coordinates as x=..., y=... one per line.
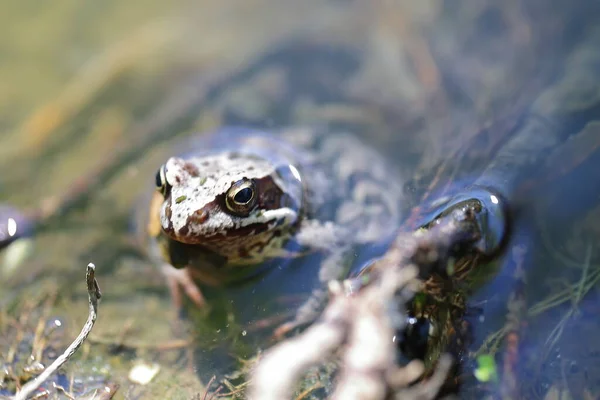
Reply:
x=207, y=266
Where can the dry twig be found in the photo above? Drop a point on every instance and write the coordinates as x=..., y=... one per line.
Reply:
x=362, y=325
x=93, y=297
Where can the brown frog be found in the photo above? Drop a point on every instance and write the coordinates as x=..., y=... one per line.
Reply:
x=240, y=198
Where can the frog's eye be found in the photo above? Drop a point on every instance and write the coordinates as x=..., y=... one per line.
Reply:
x=241, y=197
x=161, y=180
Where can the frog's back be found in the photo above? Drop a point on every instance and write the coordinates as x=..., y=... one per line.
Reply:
x=351, y=183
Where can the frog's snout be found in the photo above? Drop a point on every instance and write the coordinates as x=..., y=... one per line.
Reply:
x=198, y=217
x=178, y=223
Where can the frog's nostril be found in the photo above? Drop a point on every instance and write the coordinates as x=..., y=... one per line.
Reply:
x=191, y=169
x=199, y=216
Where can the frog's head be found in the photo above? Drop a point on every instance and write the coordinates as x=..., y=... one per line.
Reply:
x=236, y=205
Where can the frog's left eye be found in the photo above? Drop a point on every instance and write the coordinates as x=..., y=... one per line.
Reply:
x=161, y=180
x=241, y=197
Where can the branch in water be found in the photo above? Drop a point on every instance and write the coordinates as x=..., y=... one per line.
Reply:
x=362, y=325
x=94, y=295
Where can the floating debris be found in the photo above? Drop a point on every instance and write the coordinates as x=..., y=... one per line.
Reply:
x=143, y=373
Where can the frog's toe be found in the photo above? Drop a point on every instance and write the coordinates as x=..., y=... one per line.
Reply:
x=178, y=279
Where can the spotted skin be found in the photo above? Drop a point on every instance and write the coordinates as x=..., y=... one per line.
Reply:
x=304, y=191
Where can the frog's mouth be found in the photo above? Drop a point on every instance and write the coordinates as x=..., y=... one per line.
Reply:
x=211, y=226
x=227, y=236
x=236, y=245
x=245, y=245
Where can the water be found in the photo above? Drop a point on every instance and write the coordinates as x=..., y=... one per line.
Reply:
x=457, y=93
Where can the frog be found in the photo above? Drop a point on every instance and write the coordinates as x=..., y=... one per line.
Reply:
x=238, y=198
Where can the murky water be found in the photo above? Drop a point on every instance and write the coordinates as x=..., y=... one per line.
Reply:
x=460, y=93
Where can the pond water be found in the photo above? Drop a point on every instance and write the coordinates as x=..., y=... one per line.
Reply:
x=455, y=93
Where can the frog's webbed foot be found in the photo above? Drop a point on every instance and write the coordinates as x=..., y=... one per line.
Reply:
x=178, y=279
x=333, y=241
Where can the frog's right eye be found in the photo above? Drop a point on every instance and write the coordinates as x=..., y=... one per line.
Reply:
x=161, y=180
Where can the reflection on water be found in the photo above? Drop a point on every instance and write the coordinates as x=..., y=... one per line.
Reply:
x=13, y=225
x=492, y=215
x=504, y=96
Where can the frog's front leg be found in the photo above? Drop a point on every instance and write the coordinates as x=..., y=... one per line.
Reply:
x=182, y=279
x=333, y=241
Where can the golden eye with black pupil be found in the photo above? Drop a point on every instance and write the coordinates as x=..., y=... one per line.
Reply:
x=241, y=197
x=161, y=180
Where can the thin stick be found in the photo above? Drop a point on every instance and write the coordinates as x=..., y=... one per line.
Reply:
x=94, y=295
x=205, y=397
